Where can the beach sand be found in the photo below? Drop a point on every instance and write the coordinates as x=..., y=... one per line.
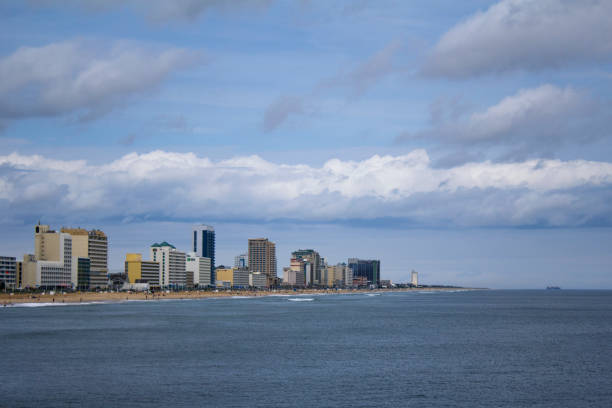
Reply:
x=88, y=297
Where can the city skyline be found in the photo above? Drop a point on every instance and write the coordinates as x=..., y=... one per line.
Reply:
x=468, y=141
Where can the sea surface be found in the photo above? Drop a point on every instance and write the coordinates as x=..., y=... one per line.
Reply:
x=470, y=349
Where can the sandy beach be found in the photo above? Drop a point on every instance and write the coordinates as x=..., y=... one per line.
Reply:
x=88, y=297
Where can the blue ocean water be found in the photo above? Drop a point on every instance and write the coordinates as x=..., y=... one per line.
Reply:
x=470, y=349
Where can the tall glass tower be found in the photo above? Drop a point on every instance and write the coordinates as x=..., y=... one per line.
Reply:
x=367, y=268
x=204, y=245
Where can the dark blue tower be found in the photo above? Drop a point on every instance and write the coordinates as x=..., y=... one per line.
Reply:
x=204, y=245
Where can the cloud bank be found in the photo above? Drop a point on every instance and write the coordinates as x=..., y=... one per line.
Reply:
x=83, y=78
x=381, y=190
x=535, y=120
x=524, y=34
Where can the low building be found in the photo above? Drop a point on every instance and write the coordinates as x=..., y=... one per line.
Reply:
x=225, y=275
x=258, y=280
x=241, y=278
x=139, y=271
x=292, y=277
x=189, y=279
x=200, y=267
x=8, y=272
x=360, y=281
x=136, y=287
x=385, y=283
x=223, y=284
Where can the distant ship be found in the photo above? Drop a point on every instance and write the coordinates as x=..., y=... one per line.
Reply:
x=552, y=288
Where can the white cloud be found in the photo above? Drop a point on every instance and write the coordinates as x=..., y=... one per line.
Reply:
x=82, y=77
x=524, y=34
x=534, y=120
x=182, y=186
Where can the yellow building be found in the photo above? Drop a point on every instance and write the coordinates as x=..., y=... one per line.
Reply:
x=46, y=244
x=139, y=271
x=51, y=264
x=225, y=274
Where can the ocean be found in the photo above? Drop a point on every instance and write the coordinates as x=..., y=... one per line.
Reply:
x=420, y=349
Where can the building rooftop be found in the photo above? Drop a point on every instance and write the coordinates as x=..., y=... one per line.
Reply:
x=162, y=244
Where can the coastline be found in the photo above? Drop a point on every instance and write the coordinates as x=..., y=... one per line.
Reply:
x=6, y=299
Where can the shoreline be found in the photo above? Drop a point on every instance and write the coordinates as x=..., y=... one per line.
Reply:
x=6, y=299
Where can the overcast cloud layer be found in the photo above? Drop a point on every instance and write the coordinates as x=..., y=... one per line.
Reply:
x=524, y=34
x=183, y=186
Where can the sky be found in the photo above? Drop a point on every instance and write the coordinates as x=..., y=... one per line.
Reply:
x=469, y=141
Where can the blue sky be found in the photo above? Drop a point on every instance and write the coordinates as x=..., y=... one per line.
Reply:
x=467, y=140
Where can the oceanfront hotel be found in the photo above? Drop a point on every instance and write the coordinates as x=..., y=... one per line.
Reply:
x=77, y=259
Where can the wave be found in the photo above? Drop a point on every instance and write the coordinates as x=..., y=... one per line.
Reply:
x=47, y=304
x=301, y=299
x=372, y=294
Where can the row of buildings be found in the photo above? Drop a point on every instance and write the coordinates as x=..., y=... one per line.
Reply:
x=74, y=258
x=69, y=258
x=308, y=269
x=169, y=267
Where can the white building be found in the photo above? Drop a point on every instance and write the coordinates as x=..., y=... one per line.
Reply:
x=348, y=276
x=258, y=280
x=414, y=278
x=200, y=266
x=171, y=264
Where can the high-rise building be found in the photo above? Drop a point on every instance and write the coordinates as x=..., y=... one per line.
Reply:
x=172, y=264
x=19, y=274
x=241, y=261
x=262, y=258
x=93, y=245
x=200, y=267
x=312, y=266
x=83, y=273
x=139, y=271
x=203, y=244
x=51, y=264
x=414, y=278
x=348, y=276
x=8, y=272
x=366, y=268
x=336, y=275
x=295, y=274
